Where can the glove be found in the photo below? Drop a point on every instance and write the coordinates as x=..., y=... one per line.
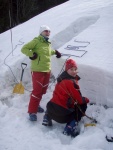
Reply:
x=85, y=100
x=34, y=56
x=58, y=54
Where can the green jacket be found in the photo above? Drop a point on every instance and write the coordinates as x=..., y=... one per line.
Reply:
x=43, y=48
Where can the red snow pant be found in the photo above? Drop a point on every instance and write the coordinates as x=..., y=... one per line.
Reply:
x=40, y=82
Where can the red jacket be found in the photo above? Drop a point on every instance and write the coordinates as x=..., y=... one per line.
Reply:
x=67, y=91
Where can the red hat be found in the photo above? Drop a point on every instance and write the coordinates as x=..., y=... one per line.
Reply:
x=69, y=64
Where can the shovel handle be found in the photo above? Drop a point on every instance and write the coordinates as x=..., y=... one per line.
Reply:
x=23, y=65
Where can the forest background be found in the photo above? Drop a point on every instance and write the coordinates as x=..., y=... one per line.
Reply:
x=15, y=12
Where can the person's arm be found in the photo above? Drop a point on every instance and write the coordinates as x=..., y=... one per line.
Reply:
x=75, y=94
x=53, y=52
x=27, y=49
x=56, y=52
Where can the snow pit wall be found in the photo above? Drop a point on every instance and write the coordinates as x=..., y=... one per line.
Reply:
x=95, y=83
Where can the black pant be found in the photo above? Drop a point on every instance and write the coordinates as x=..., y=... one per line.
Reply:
x=79, y=111
x=62, y=115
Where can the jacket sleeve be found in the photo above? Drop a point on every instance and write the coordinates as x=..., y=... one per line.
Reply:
x=27, y=49
x=53, y=52
x=74, y=93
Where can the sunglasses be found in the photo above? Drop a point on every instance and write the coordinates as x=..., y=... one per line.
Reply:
x=46, y=31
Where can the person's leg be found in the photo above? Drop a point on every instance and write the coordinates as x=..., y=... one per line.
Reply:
x=36, y=95
x=45, y=82
x=79, y=111
x=71, y=127
x=47, y=121
x=44, y=88
x=83, y=107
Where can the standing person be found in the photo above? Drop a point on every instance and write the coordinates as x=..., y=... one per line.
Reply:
x=39, y=51
x=67, y=104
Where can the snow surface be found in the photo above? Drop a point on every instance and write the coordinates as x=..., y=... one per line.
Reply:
x=86, y=25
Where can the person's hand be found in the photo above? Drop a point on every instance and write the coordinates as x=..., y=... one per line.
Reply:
x=85, y=100
x=58, y=54
x=34, y=56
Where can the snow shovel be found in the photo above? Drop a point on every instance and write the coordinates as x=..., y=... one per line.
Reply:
x=19, y=88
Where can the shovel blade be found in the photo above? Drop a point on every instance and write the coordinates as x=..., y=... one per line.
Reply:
x=19, y=88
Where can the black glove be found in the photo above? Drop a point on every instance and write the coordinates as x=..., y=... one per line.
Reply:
x=34, y=56
x=58, y=54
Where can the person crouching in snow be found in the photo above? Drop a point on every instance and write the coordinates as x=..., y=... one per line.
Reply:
x=39, y=51
x=67, y=104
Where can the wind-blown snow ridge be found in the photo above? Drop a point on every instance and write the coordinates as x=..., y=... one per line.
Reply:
x=73, y=30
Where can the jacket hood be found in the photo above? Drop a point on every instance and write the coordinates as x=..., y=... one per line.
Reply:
x=65, y=75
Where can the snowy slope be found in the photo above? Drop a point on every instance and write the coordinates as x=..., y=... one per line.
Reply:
x=83, y=29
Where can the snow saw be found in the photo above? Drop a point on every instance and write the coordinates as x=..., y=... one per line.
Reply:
x=19, y=88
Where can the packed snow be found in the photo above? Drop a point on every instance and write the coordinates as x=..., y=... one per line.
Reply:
x=81, y=30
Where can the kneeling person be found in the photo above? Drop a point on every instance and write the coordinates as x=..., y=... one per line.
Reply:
x=67, y=104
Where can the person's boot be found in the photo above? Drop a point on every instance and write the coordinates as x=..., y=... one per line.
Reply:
x=40, y=109
x=46, y=120
x=71, y=129
x=33, y=117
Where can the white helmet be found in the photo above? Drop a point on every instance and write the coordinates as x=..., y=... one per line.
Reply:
x=43, y=28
